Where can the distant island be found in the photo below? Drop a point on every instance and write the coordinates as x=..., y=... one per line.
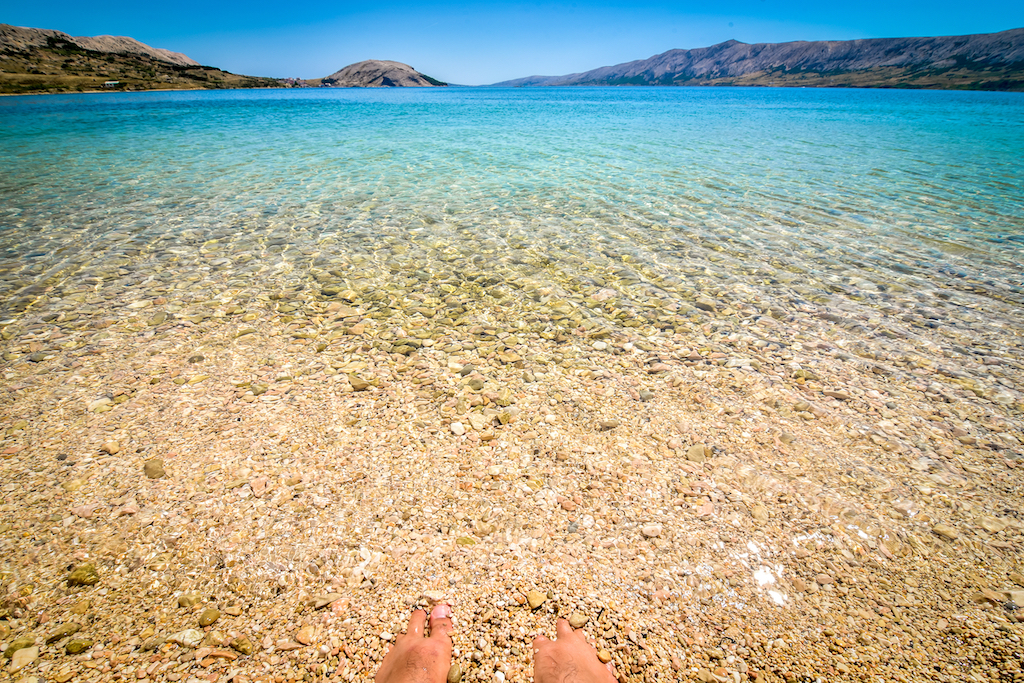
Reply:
x=36, y=60
x=376, y=73
x=990, y=61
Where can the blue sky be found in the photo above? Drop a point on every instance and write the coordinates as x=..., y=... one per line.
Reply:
x=485, y=42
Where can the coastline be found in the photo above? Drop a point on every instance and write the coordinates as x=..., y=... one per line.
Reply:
x=109, y=91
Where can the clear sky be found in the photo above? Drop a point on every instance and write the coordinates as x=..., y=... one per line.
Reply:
x=471, y=42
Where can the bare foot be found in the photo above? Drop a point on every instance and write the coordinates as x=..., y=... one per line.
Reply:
x=415, y=659
x=569, y=659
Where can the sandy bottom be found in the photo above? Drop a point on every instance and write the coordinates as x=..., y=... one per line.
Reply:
x=259, y=497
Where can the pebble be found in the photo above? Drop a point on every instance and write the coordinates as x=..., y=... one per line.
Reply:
x=535, y=598
x=434, y=597
x=458, y=429
x=651, y=530
x=242, y=645
x=604, y=655
x=696, y=453
x=208, y=617
x=78, y=645
x=152, y=643
x=18, y=644
x=321, y=601
x=606, y=425
x=23, y=658
x=838, y=395
x=62, y=631
x=188, y=600
x=578, y=620
x=111, y=447
x=705, y=304
x=214, y=639
x=305, y=634
x=84, y=575
x=189, y=637
x=154, y=468
x=993, y=524
x=946, y=531
x=454, y=673
x=101, y=405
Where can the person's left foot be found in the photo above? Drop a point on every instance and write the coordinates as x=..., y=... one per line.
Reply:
x=418, y=659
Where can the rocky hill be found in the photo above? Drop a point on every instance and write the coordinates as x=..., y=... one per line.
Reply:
x=990, y=61
x=377, y=73
x=41, y=60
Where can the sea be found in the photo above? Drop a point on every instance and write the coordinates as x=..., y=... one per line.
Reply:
x=883, y=202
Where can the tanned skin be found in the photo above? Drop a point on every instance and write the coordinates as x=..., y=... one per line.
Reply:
x=568, y=659
x=418, y=659
x=415, y=658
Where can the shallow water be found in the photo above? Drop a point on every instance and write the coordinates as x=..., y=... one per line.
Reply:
x=861, y=200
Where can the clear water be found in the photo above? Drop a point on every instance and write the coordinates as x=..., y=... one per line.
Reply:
x=783, y=197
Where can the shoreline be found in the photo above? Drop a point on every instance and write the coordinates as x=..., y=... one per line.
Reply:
x=109, y=90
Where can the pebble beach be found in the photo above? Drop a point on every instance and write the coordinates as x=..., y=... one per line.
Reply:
x=245, y=457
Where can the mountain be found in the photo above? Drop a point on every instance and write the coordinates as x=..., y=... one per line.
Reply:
x=14, y=39
x=43, y=60
x=377, y=73
x=990, y=61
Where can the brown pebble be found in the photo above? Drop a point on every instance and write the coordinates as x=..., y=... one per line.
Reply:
x=535, y=598
x=305, y=634
x=154, y=468
x=84, y=575
x=208, y=617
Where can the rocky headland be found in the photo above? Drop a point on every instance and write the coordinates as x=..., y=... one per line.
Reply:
x=379, y=73
x=990, y=61
x=36, y=60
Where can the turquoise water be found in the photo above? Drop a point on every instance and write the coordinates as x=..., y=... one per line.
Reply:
x=842, y=198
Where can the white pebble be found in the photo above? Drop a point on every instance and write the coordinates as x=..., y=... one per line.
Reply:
x=651, y=530
x=458, y=429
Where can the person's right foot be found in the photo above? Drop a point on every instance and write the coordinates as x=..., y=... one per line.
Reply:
x=568, y=659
